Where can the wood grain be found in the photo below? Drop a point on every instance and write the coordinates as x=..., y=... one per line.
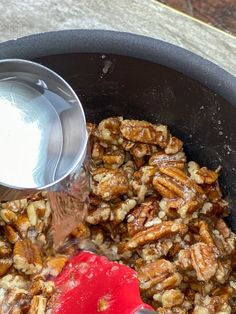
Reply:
x=221, y=14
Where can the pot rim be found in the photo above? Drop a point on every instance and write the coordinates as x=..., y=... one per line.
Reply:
x=126, y=44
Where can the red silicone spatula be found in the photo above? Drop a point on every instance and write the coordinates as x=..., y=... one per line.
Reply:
x=91, y=284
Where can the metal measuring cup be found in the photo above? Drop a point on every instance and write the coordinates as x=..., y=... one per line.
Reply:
x=43, y=140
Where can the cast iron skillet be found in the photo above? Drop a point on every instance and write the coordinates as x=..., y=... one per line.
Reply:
x=138, y=77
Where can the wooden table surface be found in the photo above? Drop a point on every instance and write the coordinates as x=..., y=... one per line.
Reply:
x=145, y=17
x=219, y=13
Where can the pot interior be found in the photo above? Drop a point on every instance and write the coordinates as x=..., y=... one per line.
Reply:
x=111, y=85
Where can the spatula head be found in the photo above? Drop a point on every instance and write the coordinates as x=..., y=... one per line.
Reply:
x=91, y=284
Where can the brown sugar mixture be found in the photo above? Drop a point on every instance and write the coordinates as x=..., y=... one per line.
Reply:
x=150, y=209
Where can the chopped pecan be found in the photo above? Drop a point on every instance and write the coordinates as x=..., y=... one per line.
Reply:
x=223, y=229
x=22, y=224
x=212, y=192
x=111, y=183
x=129, y=169
x=39, y=286
x=27, y=257
x=165, y=229
x=16, y=206
x=121, y=209
x=10, y=282
x=171, y=298
x=225, y=246
x=142, y=181
x=139, y=162
x=5, y=249
x=200, y=257
x=81, y=231
x=97, y=235
x=160, y=159
x=170, y=206
x=174, y=146
x=108, y=130
x=8, y=216
x=145, y=132
x=202, y=175
x=145, y=175
x=100, y=214
x=140, y=150
x=11, y=234
x=32, y=214
x=54, y=265
x=91, y=127
x=185, y=260
x=5, y=264
x=224, y=293
x=211, y=305
x=113, y=158
x=223, y=271
x=97, y=151
x=38, y=305
x=154, y=251
x=215, y=209
x=141, y=215
x=175, y=310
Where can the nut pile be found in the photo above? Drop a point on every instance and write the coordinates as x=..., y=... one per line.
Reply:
x=26, y=258
x=156, y=212
x=149, y=209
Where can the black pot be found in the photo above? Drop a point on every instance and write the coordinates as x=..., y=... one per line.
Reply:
x=138, y=77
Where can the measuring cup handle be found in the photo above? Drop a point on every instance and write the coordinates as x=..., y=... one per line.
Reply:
x=145, y=311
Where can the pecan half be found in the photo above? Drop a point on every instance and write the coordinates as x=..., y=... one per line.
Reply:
x=165, y=229
x=200, y=257
x=141, y=215
x=173, y=183
x=158, y=276
x=153, y=273
x=27, y=257
x=144, y=132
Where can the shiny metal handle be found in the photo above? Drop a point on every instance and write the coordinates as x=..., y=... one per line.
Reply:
x=145, y=311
